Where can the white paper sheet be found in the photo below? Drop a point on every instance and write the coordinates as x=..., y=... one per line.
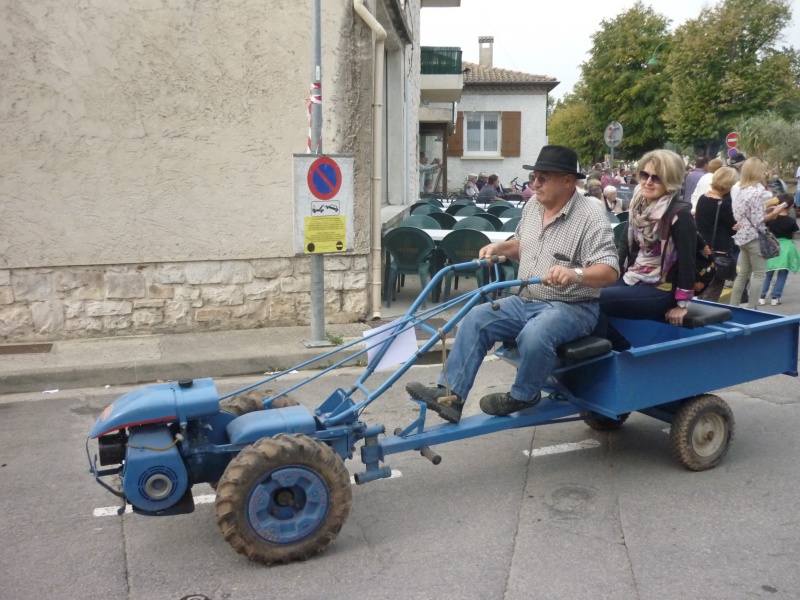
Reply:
x=400, y=349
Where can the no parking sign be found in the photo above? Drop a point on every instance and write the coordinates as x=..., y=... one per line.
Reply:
x=323, y=203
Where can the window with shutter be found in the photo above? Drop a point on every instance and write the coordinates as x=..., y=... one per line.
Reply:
x=512, y=133
x=455, y=141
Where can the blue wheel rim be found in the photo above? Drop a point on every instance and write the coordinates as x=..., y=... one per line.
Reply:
x=288, y=504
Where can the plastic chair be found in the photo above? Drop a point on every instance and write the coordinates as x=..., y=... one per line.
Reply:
x=457, y=206
x=410, y=251
x=420, y=222
x=612, y=218
x=511, y=213
x=511, y=225
x=423, y=208
x=623, y=216
x=474, y=222
x=516, y=198
x=445, y=221
x=459, y=246
x=468, y=210
x=498, y=206
x=494, y=220
x=432, y=201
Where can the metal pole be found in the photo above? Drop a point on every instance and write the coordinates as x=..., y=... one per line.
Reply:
x=315, y=147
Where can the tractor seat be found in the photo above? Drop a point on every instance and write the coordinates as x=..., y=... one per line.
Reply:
x=701, y=315
x=571, y=352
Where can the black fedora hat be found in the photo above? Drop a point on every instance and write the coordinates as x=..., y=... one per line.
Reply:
x=557, y=159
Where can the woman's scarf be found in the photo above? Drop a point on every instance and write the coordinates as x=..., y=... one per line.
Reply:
x=644, y=228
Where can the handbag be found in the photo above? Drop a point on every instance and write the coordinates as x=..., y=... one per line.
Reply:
x=768, y=245
x=725, y=263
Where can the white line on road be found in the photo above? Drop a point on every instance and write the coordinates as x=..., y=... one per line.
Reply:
x=584, y=445
x=112, y=511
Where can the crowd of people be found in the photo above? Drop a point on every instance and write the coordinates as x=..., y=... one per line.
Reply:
x=679, y=221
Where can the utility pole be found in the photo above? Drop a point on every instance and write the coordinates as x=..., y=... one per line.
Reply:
x=315, y=147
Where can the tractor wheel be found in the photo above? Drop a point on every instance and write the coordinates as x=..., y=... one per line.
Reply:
x=701, y=432
x=601, y=423
x=247, y=402
x=283, y=499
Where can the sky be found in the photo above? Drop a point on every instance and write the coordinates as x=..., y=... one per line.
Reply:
x=548, y=37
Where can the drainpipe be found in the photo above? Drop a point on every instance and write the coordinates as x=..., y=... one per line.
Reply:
x=377, y=142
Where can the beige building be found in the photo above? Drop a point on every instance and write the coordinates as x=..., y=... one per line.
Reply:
x=146, y=165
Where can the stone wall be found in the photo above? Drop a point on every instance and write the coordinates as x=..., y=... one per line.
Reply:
x=45, y=304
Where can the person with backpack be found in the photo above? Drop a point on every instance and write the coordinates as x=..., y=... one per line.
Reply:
x=657, y=252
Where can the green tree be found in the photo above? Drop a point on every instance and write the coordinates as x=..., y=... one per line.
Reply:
x=724, y=66
x=572, y=124
x=619, y=86
x=771, y=137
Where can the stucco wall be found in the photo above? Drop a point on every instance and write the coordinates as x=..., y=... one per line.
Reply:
x=146, y=165
x=533, y=136
x=163, y=130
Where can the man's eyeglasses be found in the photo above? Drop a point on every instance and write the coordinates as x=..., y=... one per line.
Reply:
x=542, y=178
x=644, y=176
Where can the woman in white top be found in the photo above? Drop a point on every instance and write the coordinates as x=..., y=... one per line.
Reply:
x=610, y=199
x=748, y=210
x=471, y=188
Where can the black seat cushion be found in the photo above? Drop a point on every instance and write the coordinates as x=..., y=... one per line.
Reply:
x=584, y=348
x=576, y=350
x=700, y=315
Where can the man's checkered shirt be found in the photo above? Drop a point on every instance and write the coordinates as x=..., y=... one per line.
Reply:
x=578, y=236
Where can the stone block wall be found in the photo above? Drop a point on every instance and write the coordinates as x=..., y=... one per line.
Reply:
x=54, y=303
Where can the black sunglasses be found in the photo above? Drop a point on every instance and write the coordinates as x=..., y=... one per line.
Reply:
x=644, y=176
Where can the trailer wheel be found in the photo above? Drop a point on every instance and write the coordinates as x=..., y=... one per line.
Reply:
x=701, y=432
x=601, y=423
x=283, y=499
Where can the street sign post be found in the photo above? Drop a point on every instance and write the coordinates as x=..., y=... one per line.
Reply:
x=612, y=137
x=323, y=203
x=732, y=151
x=732, y=139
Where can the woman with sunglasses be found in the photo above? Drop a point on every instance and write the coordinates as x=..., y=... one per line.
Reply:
x=657, y=250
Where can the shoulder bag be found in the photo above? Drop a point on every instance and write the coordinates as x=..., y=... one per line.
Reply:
x=768, y=246
x=725, y=263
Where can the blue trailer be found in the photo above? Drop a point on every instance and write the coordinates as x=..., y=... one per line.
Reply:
x=283, y=492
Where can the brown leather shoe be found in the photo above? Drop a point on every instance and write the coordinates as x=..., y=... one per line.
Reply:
x=436, y=398
x=503, y=404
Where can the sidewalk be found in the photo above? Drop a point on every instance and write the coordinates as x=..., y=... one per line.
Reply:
x=146, y=359
x=149, y=358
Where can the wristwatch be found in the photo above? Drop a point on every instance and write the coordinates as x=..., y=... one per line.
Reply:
x=683, y=303
x=580, y=275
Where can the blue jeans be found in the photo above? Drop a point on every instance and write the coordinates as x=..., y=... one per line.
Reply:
x=539, y=328
x=780, y=281
x=636, y=301
x=797, y=195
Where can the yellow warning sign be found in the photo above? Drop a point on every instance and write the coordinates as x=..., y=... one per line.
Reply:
x=325, y=234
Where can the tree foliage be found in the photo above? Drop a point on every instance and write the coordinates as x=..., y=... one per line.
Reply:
x=619, y=86
x=573, y=125
x=724, y=66
x=771, y=137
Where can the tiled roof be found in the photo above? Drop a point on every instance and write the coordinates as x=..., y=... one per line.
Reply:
x=479, y=74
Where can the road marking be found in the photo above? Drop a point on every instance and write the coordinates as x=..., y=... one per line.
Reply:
x=113, y=511
x=584, y=445
x=395, y=474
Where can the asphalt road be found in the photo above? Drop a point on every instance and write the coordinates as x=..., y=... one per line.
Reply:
x=496, y=519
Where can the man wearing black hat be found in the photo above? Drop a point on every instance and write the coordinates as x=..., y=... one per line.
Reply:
x=564, y=238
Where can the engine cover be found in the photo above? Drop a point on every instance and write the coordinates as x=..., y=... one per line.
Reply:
x=159, y=403
x=155, y=476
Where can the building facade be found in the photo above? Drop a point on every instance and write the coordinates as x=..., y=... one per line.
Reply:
x=146, y=181
x=501, y=122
